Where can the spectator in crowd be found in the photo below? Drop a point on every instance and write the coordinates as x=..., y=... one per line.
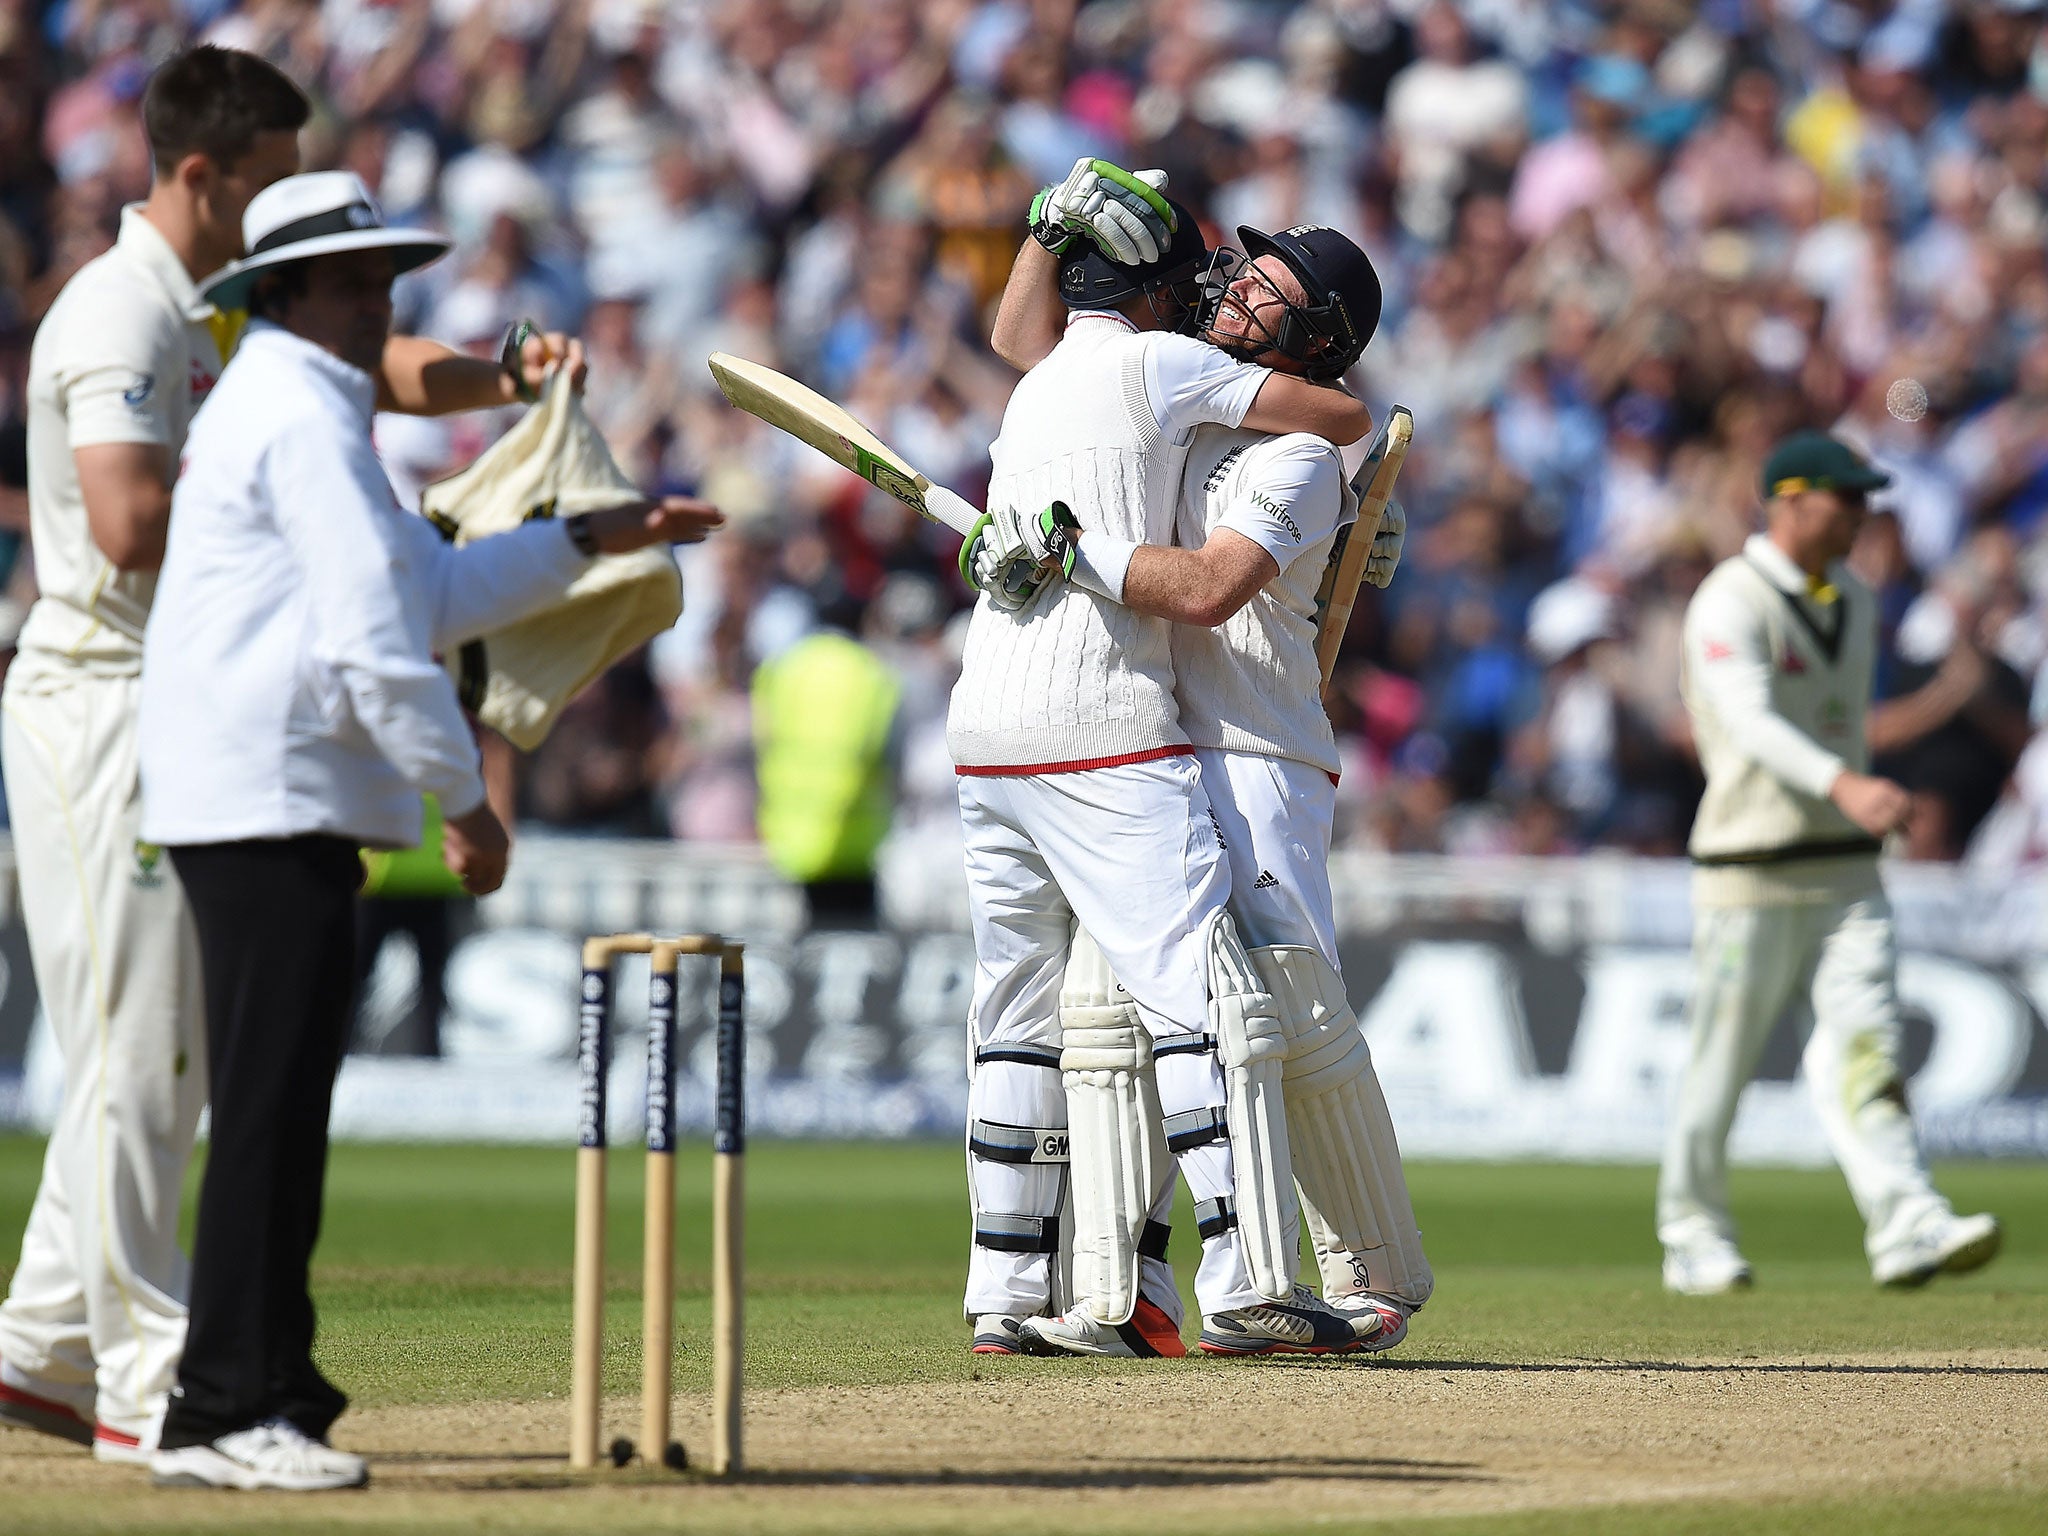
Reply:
x=1625, y=247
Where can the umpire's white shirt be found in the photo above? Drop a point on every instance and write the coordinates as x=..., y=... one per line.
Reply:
x=289, y=683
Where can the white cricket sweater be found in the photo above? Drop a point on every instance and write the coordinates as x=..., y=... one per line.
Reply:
x=1252, y=683
x=1072, y=680
x=1778, y=687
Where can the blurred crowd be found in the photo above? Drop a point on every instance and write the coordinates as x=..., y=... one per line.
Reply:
x=1626, y=244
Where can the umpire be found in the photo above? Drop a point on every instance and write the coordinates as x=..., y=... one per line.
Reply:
x=1788, y=911
x=291, y=710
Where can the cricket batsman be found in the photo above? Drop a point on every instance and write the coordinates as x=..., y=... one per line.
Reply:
x=1080, y=800
x=94, y=1320
x=1788, y=910
x=1259, y=516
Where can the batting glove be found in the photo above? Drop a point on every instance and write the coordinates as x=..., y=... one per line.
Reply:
x=1385, y=551
x=1123, y=213
x=1010, y=555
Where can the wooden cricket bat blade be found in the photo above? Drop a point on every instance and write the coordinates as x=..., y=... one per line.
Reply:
x=1374, y=485
x=833, y=430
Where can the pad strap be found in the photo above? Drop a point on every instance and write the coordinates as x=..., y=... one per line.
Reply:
x=1016, y=1234
x=1184, y=1045
x=1022, y=1053
x=996, y=1142
x=1152, y=1241
x=1214, y=1218
x=1193, y=1128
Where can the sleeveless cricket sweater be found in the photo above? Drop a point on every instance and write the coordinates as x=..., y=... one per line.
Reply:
x=1768, y=832
x=1252, y=683
x=1072, y=680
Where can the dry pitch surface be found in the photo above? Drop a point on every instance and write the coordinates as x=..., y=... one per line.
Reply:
x=1518, y=1405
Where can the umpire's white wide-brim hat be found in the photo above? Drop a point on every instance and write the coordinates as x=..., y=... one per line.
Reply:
x=319, y=213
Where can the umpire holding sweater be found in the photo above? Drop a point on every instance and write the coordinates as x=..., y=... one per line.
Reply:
x=1788, y=910
x=292, y=711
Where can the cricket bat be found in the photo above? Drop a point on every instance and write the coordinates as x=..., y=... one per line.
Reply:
x=1374, y=484
x=802, y=412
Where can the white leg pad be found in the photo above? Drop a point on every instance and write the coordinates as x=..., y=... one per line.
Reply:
x=1251, y=1044
x=1347, y=1161
x=1016, y=1175
x=1114, y=1125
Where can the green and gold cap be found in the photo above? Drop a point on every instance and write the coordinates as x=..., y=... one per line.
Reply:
x=1813, y=461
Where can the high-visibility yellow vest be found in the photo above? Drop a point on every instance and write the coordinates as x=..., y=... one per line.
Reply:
x=822, y=713
x=412, y=871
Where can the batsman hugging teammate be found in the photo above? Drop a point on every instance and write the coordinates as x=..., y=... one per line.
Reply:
x=1079, y=799
x=1259, y=515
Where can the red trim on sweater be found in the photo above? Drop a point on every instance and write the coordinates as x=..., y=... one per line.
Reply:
x=1081, y=765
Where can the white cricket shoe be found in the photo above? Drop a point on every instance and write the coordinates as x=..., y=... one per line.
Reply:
x=1946, y=1244
x=273, y=1454
x=1392, y=1315
x=1706, y=1264
x=995, y=1333
x=123, y=1449
x=1149, y=1335
x=1303, y=1324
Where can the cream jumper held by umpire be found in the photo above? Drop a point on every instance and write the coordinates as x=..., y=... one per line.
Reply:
x=1788, y=910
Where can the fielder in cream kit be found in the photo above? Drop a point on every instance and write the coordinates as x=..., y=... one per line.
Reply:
x=1258, y=518
x=1788, y=909
x=95, y=1318
x=1080, y=800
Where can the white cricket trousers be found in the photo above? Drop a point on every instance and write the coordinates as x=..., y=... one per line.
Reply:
x=95, y=1317
x=1834, y=962
x=1276, y=815
x=1131, y=852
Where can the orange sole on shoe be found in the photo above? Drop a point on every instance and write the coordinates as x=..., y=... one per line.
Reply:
x=1355, y=1348
x=1151, y=1326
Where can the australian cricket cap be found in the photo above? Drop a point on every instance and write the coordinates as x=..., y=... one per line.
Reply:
x=1813, y=461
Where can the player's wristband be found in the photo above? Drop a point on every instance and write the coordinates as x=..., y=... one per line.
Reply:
x=1101, y=563
x=511, y=358
x=1054, y=237
x=581, y=534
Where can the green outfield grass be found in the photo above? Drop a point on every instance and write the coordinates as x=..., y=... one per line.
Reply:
x=443, y=1278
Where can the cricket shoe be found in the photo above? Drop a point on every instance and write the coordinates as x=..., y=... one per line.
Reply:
x=1705, y=1265
x=23, y=1409
x=1149, y=1335
x=273, y=1454
x=995, y=1333
x=1947, y=1244
x=1393, y=1324
x=1303, y=1324
x=122, y=1448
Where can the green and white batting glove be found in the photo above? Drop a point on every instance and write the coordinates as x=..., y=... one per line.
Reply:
x=1123, y=212
x=1384, y=554
x=1011, y=555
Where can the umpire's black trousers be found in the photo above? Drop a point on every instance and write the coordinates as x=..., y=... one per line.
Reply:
x=276, y=925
